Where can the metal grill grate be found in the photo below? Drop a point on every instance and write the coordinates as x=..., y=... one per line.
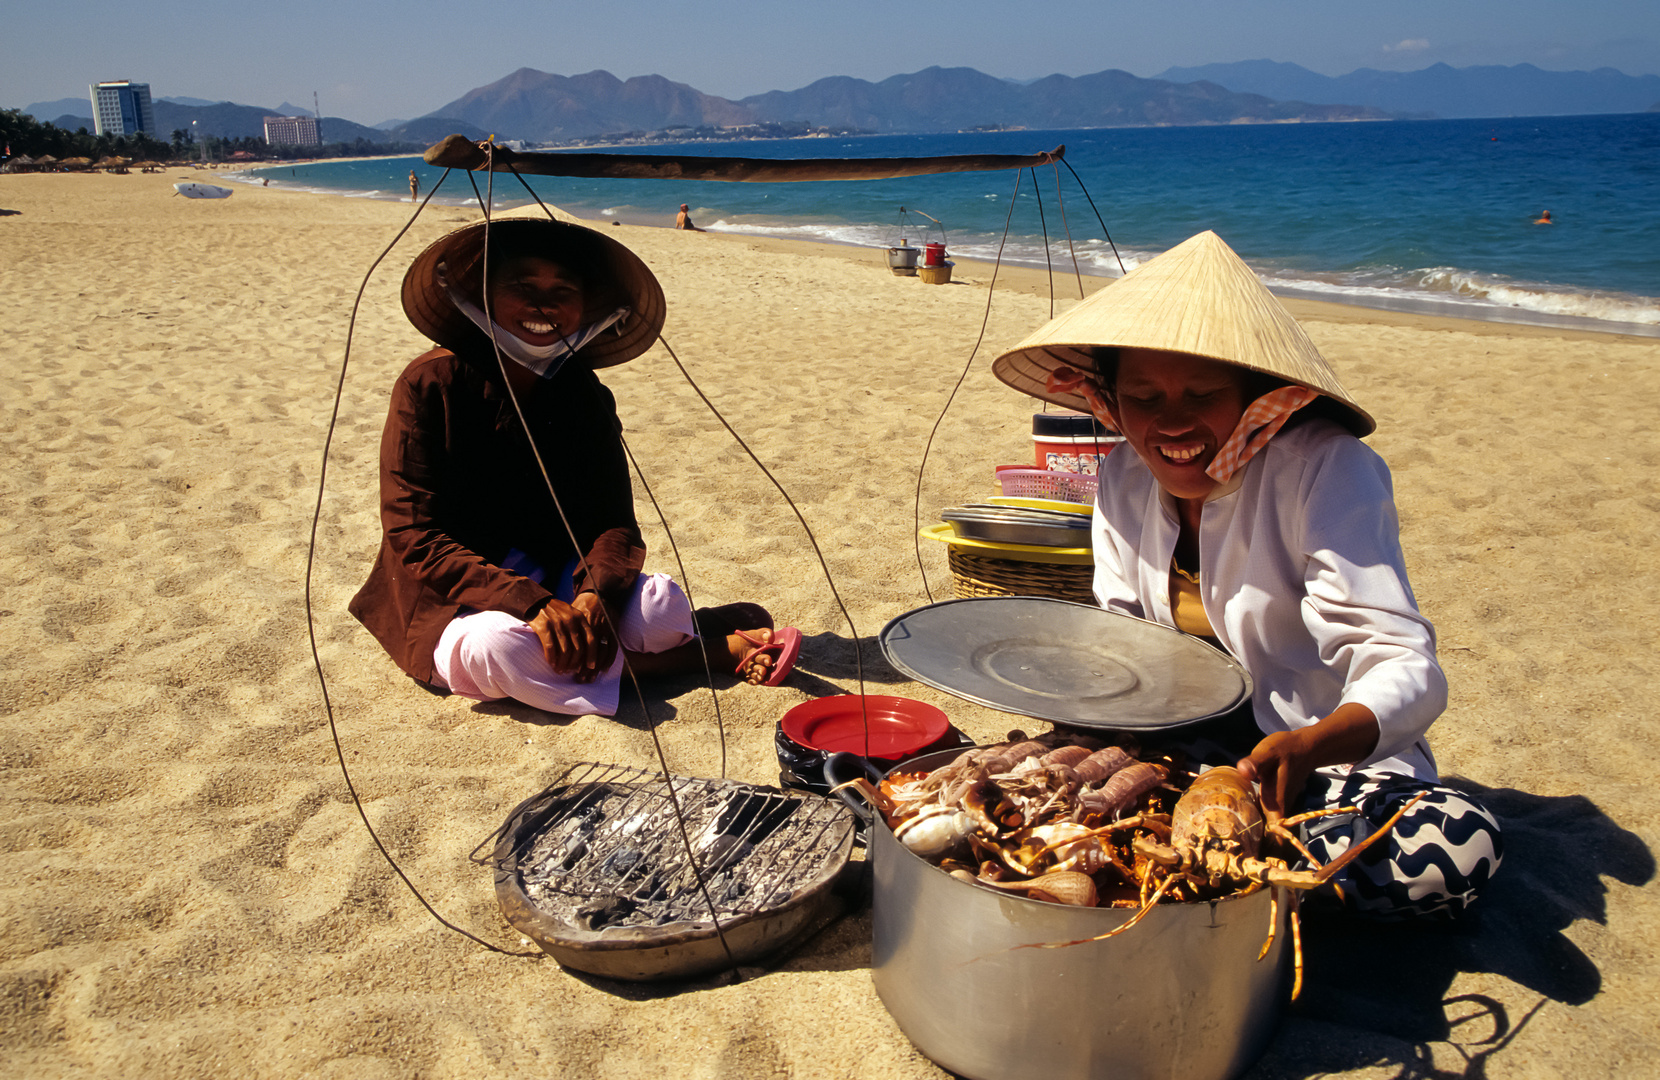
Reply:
x=600, y=847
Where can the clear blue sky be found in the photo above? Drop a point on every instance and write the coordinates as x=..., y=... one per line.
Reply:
x=370, y=60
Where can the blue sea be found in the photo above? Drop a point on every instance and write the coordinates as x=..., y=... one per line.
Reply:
x=1432, y=216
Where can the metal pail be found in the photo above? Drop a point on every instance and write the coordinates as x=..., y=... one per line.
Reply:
x=902, y=259
x=1179, y=995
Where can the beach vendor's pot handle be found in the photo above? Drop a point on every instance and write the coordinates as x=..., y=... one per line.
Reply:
x=841, y=767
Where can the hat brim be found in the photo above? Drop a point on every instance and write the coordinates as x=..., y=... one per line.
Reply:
x=428, y=305
x=1197, y=299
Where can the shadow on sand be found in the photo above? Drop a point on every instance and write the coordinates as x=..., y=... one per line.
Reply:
x=1377, y=996
x=823, y=657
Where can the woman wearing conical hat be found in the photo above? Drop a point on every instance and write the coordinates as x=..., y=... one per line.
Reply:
x=486, y=585
x=1251, y=514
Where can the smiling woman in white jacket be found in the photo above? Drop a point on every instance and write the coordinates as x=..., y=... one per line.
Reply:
x=1251, y=514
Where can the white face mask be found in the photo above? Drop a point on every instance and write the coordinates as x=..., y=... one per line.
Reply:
x=544, y=360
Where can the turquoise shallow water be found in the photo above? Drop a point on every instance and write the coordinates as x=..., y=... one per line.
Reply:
x=1425, y=215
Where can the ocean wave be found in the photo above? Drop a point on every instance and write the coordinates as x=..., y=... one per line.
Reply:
x=1548, y=300
x=1466, y=292
x=1459, y=292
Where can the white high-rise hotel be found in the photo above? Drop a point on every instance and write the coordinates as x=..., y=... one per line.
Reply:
x=122, y=108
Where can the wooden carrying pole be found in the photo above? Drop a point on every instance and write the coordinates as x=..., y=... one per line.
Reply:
x=456, y=152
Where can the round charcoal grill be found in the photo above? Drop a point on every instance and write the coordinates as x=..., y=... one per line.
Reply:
x=594, y=869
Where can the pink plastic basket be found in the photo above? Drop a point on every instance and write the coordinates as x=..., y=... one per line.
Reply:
x=1044, y=484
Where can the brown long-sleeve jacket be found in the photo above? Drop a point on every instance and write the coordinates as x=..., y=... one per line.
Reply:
x=459, y=489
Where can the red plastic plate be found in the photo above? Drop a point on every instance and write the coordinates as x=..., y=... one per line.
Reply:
x=898, y=726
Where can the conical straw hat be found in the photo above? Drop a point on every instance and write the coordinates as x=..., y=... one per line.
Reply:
x=433, y=313
x=1197, y=298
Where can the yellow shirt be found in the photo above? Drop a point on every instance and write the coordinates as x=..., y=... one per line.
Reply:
x=1186, y=606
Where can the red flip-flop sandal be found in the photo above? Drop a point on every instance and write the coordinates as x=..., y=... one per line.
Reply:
x=788, y=643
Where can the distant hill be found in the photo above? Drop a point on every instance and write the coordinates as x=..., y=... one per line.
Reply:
x=1519, y=90
x=951, y=99
x=535, y=105
x=231, y=121
x=427, y=130
x=540, y=107
x=73, y=106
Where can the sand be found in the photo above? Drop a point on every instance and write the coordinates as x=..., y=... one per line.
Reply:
x=187, y=890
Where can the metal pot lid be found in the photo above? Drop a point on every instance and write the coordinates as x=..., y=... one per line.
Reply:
x=1066, y=663
x=1015, y=525
x=1023, y=515
x=1020, y=532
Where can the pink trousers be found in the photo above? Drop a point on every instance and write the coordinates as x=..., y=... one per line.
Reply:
x=489, y=655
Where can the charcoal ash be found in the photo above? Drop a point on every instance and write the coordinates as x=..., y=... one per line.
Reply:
x=611, y=854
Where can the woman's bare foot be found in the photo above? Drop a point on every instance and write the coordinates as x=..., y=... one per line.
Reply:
x=759, y=664
x=723, y=627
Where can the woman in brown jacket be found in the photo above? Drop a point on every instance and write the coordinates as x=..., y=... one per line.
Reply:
x=485, y=584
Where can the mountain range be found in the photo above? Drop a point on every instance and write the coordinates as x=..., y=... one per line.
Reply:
x=537, y=106
x=1439, y=90
x=542, y=107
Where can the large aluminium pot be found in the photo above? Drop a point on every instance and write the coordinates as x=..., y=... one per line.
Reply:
x=1179, y=995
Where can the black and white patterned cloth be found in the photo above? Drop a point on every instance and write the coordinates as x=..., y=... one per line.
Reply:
x=1435, y=861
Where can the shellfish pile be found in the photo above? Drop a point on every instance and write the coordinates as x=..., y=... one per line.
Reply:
x=1073, y=820
x=1055, y=817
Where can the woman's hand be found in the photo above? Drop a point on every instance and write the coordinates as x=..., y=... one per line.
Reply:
x=576, y=637
x=1281, y=762
x=1066, y=380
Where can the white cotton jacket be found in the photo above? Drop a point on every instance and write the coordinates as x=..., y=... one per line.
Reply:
x=1302, y=578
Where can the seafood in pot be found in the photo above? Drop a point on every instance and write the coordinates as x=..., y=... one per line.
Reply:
x=1024, y=809
x=1216, y=847
x=1069, y=820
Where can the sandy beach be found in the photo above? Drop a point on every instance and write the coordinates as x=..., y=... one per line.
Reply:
x=187, y=889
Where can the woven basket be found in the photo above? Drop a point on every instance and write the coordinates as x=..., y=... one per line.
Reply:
x=980, y=575
x=1044, y=484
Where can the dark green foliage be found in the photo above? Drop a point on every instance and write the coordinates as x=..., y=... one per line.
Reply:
x=28, y=136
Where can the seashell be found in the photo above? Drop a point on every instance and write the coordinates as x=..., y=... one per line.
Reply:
x=934, y=831
x=1061, y=887
x=1074, y=847
x=991, y=806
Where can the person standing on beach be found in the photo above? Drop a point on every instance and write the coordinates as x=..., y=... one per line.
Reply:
x=495, y=579
x=414, y=186
x=1251, y=515
x=683, y=220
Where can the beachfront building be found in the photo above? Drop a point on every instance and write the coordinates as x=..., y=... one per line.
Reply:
x=122, y=108
x=291, y=131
